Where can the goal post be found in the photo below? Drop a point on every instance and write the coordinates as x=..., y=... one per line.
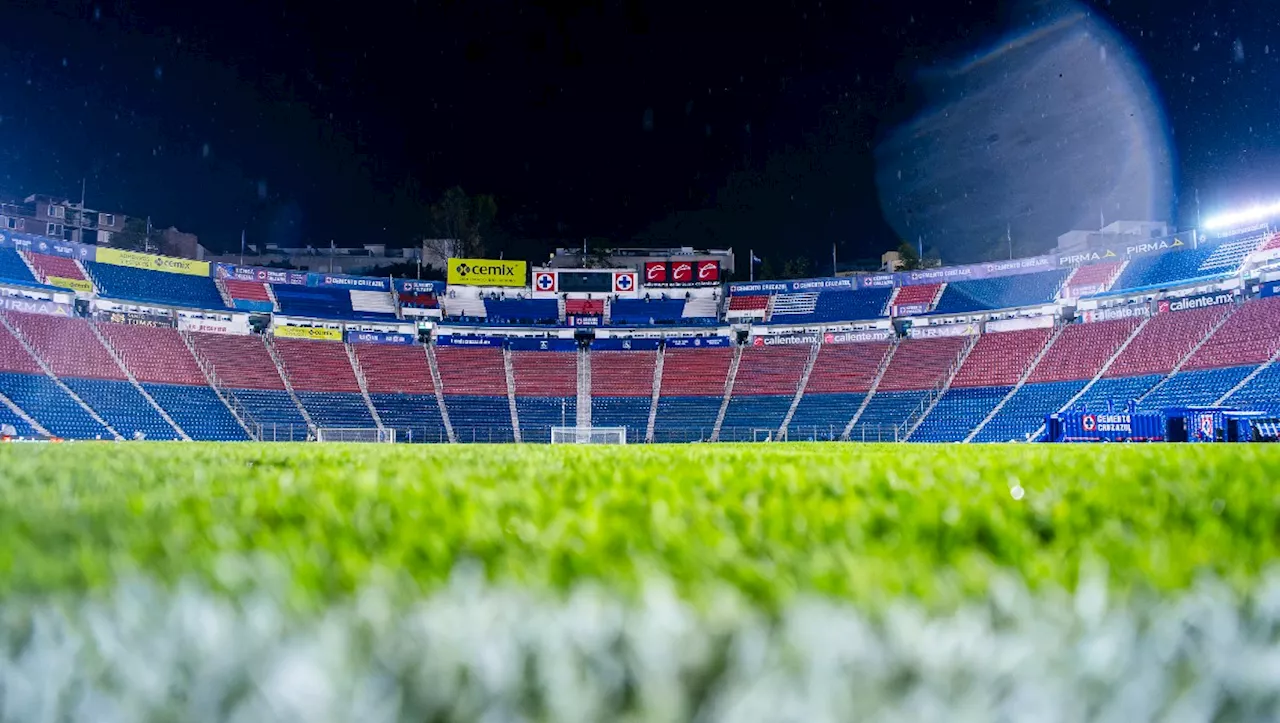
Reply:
x=355, y=434
x=588, y=435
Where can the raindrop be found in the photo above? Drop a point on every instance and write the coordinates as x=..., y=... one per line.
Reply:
x=97, y=13
x=1102, y=53
x=262, y=189
x=159, y=72
x=647, y=122
x=1017, y=492
x=204, y=152
x=1195, y=48
x=1237, y=51
x=64, y=62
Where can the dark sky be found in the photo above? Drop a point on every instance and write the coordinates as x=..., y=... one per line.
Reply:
x=703, y=123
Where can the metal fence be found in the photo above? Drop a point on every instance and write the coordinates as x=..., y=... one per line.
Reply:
x=670, y=435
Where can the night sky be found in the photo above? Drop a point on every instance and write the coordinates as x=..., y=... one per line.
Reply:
x=710, y=124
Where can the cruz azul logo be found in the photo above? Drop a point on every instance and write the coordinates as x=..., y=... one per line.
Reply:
x=544, y=281
x=624, y=282
x=1089, y=422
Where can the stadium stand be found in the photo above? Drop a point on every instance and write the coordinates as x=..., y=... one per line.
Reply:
x=1261, y=392
x=325, y=303
x=700, y=310
x=1001, y=292
x=831, y=305
x=246, y=370
x=20, y=426
x=1092, y=279
x=631, y=312
x=755, y=306
x=1164, y=269
x=157, y=287
x=692, y=391
x=1165, y=340
x=546, y=388
x=1194, y=387
x=584, y=307
x=522, y=311
x=249, y=295
x=13, y=268
x=402, y=390
x=917, y=369
x=763, y=390
x=622, y=390
x=922, y=295
x=324, y=381
x=1250, y=336
x=474, y=384
x=25, y=384
x=372, y=303
x=418, y=300
x=841, y=377
x=46, y=266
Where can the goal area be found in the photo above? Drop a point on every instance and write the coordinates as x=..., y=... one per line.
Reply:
x=588, y=435
x=355, y=434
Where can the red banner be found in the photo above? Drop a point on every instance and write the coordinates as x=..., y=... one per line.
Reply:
x=708, y=272
x=681, y=272
x=655, y=272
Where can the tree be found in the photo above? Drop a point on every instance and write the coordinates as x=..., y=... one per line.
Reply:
x=464, y=219
x=797, y=268
x=908, y=256
x=135, y=236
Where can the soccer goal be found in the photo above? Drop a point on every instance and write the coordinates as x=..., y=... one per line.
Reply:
x=588, y=435
x=355, y=434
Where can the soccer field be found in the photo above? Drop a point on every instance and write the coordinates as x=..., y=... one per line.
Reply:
x=724, y=582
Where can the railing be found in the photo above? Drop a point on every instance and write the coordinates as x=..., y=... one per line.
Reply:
x=680, y=435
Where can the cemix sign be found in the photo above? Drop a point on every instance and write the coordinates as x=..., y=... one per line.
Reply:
x=487, y=272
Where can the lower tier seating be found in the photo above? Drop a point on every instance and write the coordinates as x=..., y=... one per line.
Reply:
x=20, y=426
x=415, y=417
x=479, y=419
x=685, y=419
x=958, y=412
x=538, y=415
x=274, y=411
x=337, y=409
x=629, y=412
x=122, y=406
x=1262, y=392
x=886, y=413
x=1192, y=388
x=745, y=415
x=1025, y=411
x=823, y=416
x=49, y=405
x=199, y=412
x=1117, y=391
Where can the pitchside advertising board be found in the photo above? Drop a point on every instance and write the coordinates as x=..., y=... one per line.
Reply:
x=1187, y=303
x=379, y=337
x=451, y=340
x=697, y=342
x=522, y=344
x=1134, y=311
x=487, y=272
x=681, y=273
x=624, y=344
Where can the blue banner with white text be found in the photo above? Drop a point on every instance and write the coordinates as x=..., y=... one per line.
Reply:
x=697, y=342
x=624, y=344
x=454, y=340
x=523, y=344
x=378, y=337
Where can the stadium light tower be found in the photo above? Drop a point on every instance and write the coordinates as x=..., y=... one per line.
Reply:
x=1243, y=216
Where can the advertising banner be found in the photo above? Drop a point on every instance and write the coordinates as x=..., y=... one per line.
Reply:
x=49, y=246
x=522, y=344
x=544, y=281
x=343, y=281
x=213, y=326
x=989, y=270
x=697, y=342
x=1133, y=311
x=785, y=340
x=451, y=340
x=854, y=337
x=765, y=288
x=260, y=274
x=624, y=344
x=1123, y=251
x=1270, y=289
x=579, y=320
x=379, y=337
x=152, y=262
x=1187, y=303
x=34, y=306
x=909, y=309
x=875, y=281
x=624, y=282
x=82, y=285
x=487, y=272
x=682, y=273
x=940, y=330
x=317, y=333
x=707, y=272
x=655, y=272
x=417, y=286
x=135, y=318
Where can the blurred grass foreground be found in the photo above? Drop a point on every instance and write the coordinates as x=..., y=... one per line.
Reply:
x=206, y=582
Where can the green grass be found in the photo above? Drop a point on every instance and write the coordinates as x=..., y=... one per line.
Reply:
x=866, y=523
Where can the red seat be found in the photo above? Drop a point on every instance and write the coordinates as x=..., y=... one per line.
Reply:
x=247, y=290
x=241, y=362
x=46, y=266
x=317, y=366
x=472, y=371
x=846, y=368
x=922, y=363
x=1081, y=350
x=68, y=345
x=392, y=368
x=154, y=354
x=1000, y=358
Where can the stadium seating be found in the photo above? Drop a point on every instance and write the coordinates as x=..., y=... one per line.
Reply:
x=1092, y=278
x=922, y=364
x=13, y=268
x=419, y=300
x=1163, y=269
x=999, y=359
x=1025, y=411
x=957, y=412
x=630, y=312
x=748, y=303
x=1117, y=392
x=1195, y=387
x=546, y=387
x=700, y=310
x=157, y=287
x=622, y=390
x=923, y=295
x=244, y=367
x=40, y=397
x=763, y=390
x=887, y=413
x=20, y=426
x=1001, y=292
x=1081, y=349
x=198, y=411
x=402, y=390
x=692, y=391
x=584, y=307
x=831, y=305
x=249, y=295
x=1250, y=336
x=1165, y=340
x=372, y=304
x=319, y=303
x=68, y=346
x=474, y=384
x=841, y=376
x=154, y=354
x=324, y=381
x=522, y=311
x=1262, y=392
x=46, y=266
x=122, y=406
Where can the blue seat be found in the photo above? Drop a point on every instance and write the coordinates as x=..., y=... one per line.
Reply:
x=641, y=312
x=822, y=417
x=199, y=412
x=1165, y=269
x=746, y=414
x=834, y=305
x=1261, y=393
x=885, y=414
x=130, y=284
x=321, y=303
x=1117, y=391
x=274, y=412
x=49, y=405
x=122, y=406
x=1194, y=388
x=538, y=415
x=415, y=417
x=479, y=419
x=522, y=311
x=20, y=425
x=685, y=419
x=629, y=412
x=1025, y=411
x=337, y=409
x=13, y=268
x=1001, y=292
x=958, y=412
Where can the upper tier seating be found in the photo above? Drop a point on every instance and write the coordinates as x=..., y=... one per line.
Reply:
x=402, y=390
x=240, y=362
x=1164, y=269
x=320, y=303
x=1165, y=340
x=1081, y=350
x=584, y=307
x=701, y=310
x=69, y=346
x=646, y=311
x=922, y=364
x=546, y=386
x=1227, y=253
x=763, y=389
x=1000, y=358
x=13, y=268
x=748, y=303
x=372, y=303
x=419, y=301
x=1001, y=292
x=830, y=305
x=923, y=294
x=622, y=390
x=1250, y=336
x=159, y=287
x=154, y=354
x=522, y=311
x=46, y=266
x=249, y=295
x=1092, y=278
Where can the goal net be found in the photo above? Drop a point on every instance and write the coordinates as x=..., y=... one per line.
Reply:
x=355, y=434
x=588, y=435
